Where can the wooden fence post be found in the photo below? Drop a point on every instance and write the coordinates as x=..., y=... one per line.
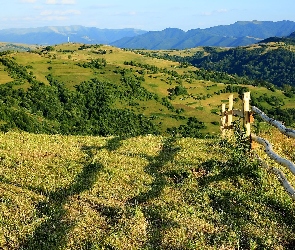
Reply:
x=246, y=111
x=247, y=114
x=230, y=110
x=223, y=119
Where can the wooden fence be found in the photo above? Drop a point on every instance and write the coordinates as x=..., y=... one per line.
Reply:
x=247, y=114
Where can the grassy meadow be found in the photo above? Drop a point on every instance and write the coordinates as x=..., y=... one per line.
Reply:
x=146, y=192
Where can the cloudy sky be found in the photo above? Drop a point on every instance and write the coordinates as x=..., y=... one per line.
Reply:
x=141, y=14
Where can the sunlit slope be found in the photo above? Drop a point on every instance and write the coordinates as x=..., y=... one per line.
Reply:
x=146, y=192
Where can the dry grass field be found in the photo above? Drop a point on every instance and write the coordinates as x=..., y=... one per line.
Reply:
x=147, y=192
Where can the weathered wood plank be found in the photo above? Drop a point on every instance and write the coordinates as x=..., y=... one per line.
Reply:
x=246, y=109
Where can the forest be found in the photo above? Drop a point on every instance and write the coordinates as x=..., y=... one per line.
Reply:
x=275, y=66
x=56, y=109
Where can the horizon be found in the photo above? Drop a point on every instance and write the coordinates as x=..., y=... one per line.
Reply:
x=151, y=16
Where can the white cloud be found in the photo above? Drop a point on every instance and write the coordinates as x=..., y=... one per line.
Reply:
x=207, y=13
x=60, y=13
x=68, y=1
x=222, y=11
x=51, y=1
x=28, y=1
x=61, y=2
x=210, y=13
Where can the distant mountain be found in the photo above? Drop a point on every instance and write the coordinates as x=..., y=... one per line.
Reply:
x=292, y=35
x=237, y=34
x=178, y=39
x=59, y=34
x=233, y=35
x=286, y=39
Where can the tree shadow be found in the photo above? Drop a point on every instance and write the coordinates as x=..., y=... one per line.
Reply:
x=234, y=207
x=154, y=214
x=235, y=210
x=111, y=145
x=51, y=233
x=230, y=170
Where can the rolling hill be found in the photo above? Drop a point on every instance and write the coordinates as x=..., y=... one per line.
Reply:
x=97, y=152
x=274, y=63
x=104, y=90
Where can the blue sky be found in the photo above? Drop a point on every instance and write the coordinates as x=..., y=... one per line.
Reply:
x=141, y=14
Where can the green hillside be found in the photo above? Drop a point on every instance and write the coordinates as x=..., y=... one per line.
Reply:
x=103, y=90
x=272, y=62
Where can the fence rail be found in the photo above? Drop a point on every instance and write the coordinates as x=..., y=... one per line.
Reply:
x=247, y=115
x=286, y=131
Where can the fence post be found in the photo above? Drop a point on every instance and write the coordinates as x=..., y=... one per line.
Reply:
x=246, y=111
x=230, y=110
x=223, y=119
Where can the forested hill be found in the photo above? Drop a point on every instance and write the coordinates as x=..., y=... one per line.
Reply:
x=273, y=62
x=287, y=39
x=104, y=90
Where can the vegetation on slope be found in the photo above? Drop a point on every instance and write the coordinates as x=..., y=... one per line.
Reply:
x=48, y=91
x=275, y=66
x=268, y=65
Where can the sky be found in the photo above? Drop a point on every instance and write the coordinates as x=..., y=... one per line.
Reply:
x=150, y=15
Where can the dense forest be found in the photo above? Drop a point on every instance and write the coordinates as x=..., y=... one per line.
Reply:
x=276, y=66
x=56, y=109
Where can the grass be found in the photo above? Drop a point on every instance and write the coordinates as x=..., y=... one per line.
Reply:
x=148, y=192
x=4, y=77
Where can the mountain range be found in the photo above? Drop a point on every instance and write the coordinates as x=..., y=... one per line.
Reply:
x=238, y=34
x=51, y=35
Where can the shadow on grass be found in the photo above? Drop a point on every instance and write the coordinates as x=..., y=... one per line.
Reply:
x=235, y=207
x=51, y=234
x=155, y=214
x=111, y=145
